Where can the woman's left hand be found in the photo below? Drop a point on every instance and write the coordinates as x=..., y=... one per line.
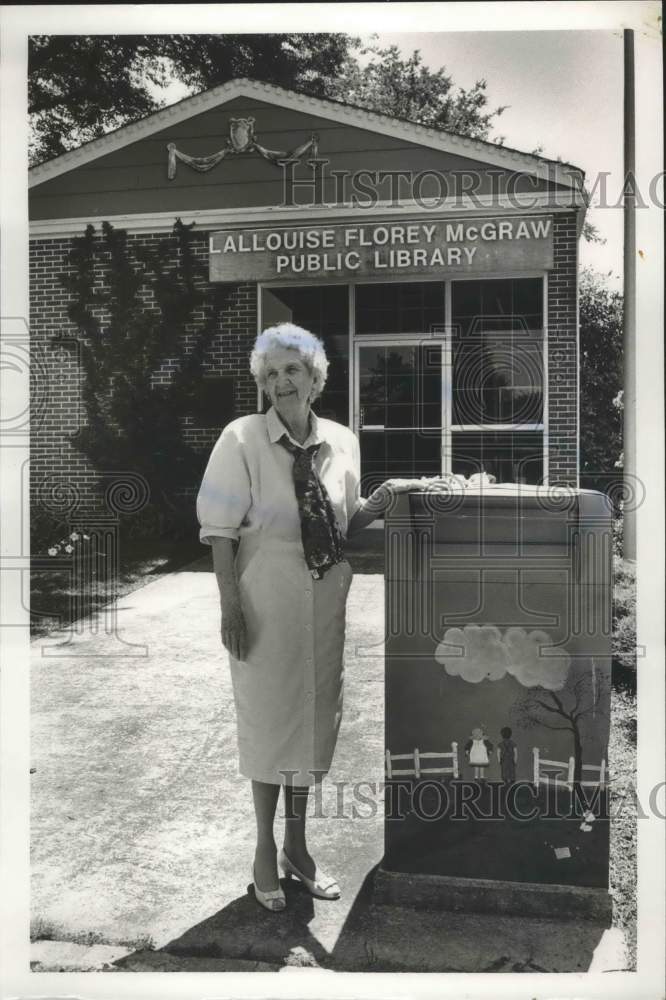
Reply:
x=401, y=485
x=380, y=499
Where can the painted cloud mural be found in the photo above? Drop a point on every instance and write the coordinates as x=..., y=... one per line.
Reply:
x=481, y=652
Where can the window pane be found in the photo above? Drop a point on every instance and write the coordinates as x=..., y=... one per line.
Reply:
x=497, y=352
x=400, y=385
x=324, y=311
x=399, y=307
x=397, y=453
x=503, y=302
x=510, y=456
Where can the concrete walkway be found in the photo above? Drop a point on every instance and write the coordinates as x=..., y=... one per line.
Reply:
x=142, y=831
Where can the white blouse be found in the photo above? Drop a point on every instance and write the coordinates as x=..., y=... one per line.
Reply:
x=248, y=489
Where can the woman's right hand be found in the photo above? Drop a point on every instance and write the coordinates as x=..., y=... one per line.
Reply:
x=233, y=630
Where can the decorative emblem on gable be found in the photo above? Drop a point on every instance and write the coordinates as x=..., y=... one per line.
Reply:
x=241, y=139
x=241, y=133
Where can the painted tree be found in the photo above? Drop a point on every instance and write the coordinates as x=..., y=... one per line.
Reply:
x=564, y=711
x=153, y=311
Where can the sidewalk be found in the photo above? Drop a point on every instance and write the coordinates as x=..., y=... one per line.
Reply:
x=142, y=831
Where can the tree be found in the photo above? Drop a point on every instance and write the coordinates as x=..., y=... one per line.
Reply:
x=82, y=86
x=406, y=88
x=601, y=376
x=134, y=422
x=563, y=710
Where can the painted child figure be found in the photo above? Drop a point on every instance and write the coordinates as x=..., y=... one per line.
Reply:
x=507, y=756
x=478, y=751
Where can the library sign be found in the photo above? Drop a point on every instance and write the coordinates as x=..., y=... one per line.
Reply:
x=451, y=246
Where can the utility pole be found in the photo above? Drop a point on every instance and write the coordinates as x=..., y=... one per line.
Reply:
x=629, y=329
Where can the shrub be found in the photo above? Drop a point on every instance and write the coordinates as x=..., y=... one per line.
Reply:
x=624, y=614
x=46, y=530
x=154, y=522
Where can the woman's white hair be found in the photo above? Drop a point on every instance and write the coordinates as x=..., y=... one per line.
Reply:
x=287, y=335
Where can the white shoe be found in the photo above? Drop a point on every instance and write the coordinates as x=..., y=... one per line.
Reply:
x=273, y=900
x=322, y=886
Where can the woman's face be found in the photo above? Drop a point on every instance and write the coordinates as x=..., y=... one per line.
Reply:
x=287, y=381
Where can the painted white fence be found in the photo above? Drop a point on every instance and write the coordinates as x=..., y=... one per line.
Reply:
x=568, y=767
x=417, y=771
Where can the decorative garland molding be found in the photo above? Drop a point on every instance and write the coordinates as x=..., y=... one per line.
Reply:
x=241, y=139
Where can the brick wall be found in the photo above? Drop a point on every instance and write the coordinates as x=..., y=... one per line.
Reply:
x=563, y=354
x=61, y=479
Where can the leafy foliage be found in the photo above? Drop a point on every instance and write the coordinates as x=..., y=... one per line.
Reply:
x=134, y=424
x=304, y=62
x=624, y=613
x=601, y=375
x=82, y=86
x=408, y=89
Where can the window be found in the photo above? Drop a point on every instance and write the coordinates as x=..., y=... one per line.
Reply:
x=399, y=307
x=324, y=311
x=498, y=378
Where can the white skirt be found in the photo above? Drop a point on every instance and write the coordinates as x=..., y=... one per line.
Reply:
x=478, y=754
x=289, y=691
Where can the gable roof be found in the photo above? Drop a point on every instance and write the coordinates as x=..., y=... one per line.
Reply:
x=346, y=114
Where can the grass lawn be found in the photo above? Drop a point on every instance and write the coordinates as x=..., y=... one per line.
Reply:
x=623, y=811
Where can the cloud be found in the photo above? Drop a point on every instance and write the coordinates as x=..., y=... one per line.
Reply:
x=480, y=652
x=531, y=663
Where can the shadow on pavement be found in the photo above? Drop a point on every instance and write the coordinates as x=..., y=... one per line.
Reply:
x=245, y=930
x=373, y=938
x=391, y=938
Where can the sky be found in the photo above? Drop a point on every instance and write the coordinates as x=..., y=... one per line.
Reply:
x=564, y=93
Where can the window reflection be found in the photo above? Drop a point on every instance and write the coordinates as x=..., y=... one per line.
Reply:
x=509, y=456
x=497, y=352
x=399, y=307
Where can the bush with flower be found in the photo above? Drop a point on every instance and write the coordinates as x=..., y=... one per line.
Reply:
x=68, y=545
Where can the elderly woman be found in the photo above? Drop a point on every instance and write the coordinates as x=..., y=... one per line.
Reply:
x=280, y=494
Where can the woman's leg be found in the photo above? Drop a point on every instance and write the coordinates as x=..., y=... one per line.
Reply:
x=295, y=811
x=265, y=797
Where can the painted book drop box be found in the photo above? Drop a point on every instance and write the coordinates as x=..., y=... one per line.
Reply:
x=498, y=658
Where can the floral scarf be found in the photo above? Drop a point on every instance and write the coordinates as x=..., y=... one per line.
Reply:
x=320, y=531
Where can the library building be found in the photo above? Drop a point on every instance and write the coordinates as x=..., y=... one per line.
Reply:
x=440, y=271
